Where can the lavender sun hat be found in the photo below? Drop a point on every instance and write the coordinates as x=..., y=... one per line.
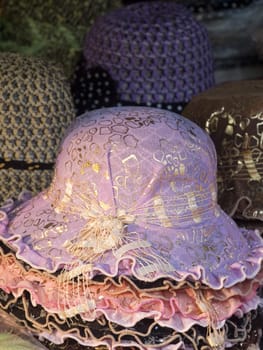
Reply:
x=134, y=192
x=156, y=53
x=134, y=195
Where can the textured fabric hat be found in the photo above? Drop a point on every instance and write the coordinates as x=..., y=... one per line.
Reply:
x=123, y=300
x=133, y=197
x=127, y=180
x=35, y=108
x=232, y=113
x=156, y=52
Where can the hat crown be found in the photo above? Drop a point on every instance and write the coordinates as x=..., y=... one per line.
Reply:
x=124, y=158
x=35, y=108
x=156, y=52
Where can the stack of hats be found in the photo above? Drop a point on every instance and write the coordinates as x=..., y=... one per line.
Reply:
x=53, y=29
x=232, y=114
x=149, y=54
x=128, y=248
x=35, y=109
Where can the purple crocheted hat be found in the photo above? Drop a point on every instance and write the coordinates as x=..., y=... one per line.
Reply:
x=156, y=52
x=134, y=193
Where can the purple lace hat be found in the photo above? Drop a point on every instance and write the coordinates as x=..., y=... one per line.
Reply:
x=156, y=52
x=134, y=193
x=131, y=211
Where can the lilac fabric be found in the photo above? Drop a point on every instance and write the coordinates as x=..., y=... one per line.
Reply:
x=134, y=193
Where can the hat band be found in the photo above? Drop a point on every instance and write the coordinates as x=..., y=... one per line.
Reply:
x=22, y=165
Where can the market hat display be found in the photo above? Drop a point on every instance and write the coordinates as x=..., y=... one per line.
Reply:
x=232, y=114
x=35, y=109
x=156, y=52
x=130, y=230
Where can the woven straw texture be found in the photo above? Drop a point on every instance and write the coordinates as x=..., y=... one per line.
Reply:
x=35, y=109
x=15, y=180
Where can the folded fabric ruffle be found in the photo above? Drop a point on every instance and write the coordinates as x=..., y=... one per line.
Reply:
x=146, y=334
x=177, y=305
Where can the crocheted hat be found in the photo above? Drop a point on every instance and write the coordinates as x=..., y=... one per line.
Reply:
x=232, y=114
x=35, y=109
x=156, y=52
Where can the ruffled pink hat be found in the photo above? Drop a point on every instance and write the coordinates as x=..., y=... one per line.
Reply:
x=134, y=193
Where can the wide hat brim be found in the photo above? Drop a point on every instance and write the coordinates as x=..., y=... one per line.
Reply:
x=214, y=251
